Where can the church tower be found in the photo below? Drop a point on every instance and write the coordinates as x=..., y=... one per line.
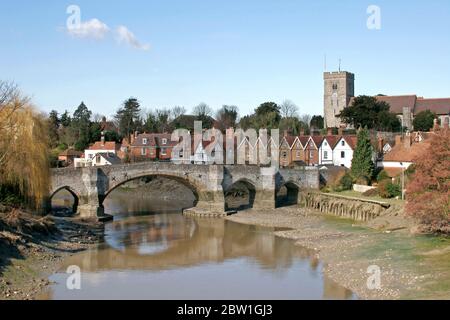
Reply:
x=339, y=89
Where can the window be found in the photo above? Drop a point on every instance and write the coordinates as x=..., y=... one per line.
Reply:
x=325, y=143
x=163, y=151
x=335, y=86
x=143, y=152
x=311, y=154
x=343, y=143
x=284, y=154
x=342, y=154
x=144, y=141
x=164, y=141
x=325, y=154
x=181, y=154
x=97, y=159
x=298, y=154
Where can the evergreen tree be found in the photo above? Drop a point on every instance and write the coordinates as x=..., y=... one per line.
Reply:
x=53, y=128
x=424, y=120
x=128, y=117
x=362, y=164
x=80, y=125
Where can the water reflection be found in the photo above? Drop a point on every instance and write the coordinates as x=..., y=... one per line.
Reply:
x=169, y=256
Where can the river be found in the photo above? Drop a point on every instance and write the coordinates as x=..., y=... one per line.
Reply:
x=151, y=251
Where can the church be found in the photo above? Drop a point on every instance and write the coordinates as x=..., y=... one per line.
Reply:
x=340, y=91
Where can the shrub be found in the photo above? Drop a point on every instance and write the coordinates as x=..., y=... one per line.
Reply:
x=387, y=189
x=382, y=175
x=346, y=182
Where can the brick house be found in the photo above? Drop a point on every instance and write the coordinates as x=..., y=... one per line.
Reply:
x=151, y=146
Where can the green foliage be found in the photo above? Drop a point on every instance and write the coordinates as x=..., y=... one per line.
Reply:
x=387, y=189
x=382, y=175
x=424, y=120
x=362, y=163
x=80, y=126
x=128, y=117
x=53, y=127
x=346, y=182
x=317, y=122
x=368, y=112
x=266, y=116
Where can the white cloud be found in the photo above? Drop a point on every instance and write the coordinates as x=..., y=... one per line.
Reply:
x=93, y=28
x=126, y=36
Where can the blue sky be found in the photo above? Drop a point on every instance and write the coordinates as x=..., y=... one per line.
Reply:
x=222, y=52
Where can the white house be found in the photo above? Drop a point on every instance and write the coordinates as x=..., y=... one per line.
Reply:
x=343, y=151
x=101, y=147
x=326, y=154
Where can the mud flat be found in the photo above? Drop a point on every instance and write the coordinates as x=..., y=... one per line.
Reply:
x=32, y=248
x=412, y=266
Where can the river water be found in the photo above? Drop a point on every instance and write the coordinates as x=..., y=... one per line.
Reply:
x=151, y=251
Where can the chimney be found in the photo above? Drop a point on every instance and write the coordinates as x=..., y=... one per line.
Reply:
x=380, y=143
x=407, y=140
x=436, y=126
x=341, y=131
x=330, y=131
x=103, y=139
x=302, y=132
x=286, y=133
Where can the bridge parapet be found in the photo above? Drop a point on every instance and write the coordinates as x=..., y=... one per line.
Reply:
x=90, y=186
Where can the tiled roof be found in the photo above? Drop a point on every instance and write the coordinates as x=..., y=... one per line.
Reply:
x=303, y=140
x=351, y=140
x=153, y=140
x=401, y=153
x=438, y=106
x=317, y=140
x=109, y=145
x=332, y=140
x=397, y=103
x=416, y=104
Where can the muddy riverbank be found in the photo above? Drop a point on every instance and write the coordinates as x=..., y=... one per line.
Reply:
x=412, y=266
x=32, y=248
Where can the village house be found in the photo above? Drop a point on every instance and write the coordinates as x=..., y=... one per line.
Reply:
x=326, y=154
x=404, y=153
x=101, y=153
x=151, y=146
x=68, y=157
x=343, y=151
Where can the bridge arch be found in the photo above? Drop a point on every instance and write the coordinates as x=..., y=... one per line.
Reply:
x=75, y=195
x=240, y=195
x=288, y=193
x=194, y=187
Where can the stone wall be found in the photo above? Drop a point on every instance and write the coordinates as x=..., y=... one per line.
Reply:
x=342, y=206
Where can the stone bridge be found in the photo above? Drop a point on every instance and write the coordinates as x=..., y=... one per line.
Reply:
x=209, y=183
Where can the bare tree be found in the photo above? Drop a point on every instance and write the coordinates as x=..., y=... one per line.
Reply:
x=10, y=100
x=178, y=111
x=202, y=110
x=306, y=120
x=288, y=109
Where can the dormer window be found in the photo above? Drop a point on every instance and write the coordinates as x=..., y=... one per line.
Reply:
x=144, y=141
